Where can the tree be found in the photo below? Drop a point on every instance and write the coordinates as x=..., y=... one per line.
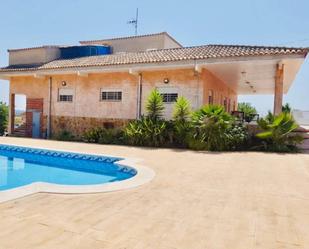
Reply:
x=210, y=124
x=182, y=110
x=277, y=133
x=4, y=116
x=182, y=122
x=150, y=129
x=154, y=106
x=286, y=108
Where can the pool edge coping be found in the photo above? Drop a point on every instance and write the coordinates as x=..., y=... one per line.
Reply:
x=143, y=176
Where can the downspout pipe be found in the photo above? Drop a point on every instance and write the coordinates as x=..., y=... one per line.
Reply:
x=139, y=96
x=50, y=82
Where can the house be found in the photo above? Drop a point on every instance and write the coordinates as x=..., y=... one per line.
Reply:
x=106, y=82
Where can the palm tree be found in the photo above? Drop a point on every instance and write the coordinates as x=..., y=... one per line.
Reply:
x=286, y=108
x=278, y=133
x=154, y=106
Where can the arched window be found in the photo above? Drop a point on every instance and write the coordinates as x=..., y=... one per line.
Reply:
x=229, y=106
x=210, y=97
x=225, y=103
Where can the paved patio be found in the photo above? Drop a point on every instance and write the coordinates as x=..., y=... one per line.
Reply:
x=196, y=201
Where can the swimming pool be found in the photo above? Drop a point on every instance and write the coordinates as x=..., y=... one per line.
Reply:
x=21, y=166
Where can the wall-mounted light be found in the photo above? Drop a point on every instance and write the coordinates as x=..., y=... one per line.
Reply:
x=63, y=83
x=166, y=80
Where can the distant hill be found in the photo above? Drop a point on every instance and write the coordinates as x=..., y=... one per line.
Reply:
x=19, y=112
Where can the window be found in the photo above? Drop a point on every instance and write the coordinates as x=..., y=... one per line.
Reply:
x=225, y=104
x=169, y=94
x=229, y=105
x=169, y=97
x=111, y=95
x=66, y=98
x=65, y=95
x=210, y=97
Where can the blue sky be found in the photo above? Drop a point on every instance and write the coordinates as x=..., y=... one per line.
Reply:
x=255, y=22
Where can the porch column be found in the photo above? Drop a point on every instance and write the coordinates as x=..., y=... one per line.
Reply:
x=278, y=96
x=11, y=113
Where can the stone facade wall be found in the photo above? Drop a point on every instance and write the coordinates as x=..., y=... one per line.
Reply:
x=79, y=125
x=87, y=110
x=86, y=99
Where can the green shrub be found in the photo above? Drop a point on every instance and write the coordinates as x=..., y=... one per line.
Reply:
x=182, y=126
x=4, y=116
x=154, y=105
x=277, y=134
x=182, y=110
x=287, y=108
x=103, y=136
x=150, y=130
x=210, y=124
x=93, y=135
x=248, y=110
x=146, y=132
x=237, y=137
x=65, y=135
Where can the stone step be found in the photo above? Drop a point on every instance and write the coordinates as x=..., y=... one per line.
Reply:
x=19, y=132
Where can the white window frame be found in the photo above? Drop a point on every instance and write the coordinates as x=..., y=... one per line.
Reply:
x=65, y=92
x=117, y=91
x=169, y=91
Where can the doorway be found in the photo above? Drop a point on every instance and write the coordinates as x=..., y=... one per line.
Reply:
x=19, y=115
x=36, y=124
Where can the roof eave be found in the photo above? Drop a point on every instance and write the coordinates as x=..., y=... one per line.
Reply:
x=145, y=66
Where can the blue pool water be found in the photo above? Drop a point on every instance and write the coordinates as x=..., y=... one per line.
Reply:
x=21, y=166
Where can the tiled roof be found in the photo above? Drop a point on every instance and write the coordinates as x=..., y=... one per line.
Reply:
x=168, y=55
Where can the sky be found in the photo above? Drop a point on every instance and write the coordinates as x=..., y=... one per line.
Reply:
x=195, y=22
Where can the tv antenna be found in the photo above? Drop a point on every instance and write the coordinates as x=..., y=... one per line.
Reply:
x=134, y=21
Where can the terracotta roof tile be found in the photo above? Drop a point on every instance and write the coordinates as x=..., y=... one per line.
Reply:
x=167, y=55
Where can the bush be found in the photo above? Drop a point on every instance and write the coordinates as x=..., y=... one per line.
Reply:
x=182, y=126
x=216, y=130
x=277, y=134
x=154, y=106
x=152, y=129
x=248, y=110
x=209, y=128
x=65, y=136
x=287, y=108
x=237, y=137
x=210, y=124
x=103, y=136
x=146, y=132
x=4, y=116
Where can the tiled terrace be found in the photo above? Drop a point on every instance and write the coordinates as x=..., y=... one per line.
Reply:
x=196, y=201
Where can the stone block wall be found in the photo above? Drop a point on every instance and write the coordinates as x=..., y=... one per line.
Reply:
x=79, y=125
